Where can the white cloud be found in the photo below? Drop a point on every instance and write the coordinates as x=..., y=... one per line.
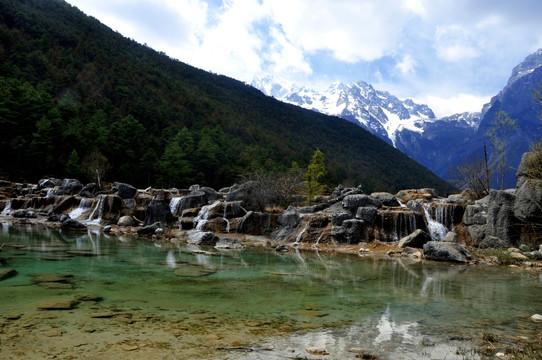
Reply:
x=406, y=65
x=455, y=43
x=444, y=106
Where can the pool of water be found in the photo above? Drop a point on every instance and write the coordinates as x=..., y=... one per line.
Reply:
x=174, y=300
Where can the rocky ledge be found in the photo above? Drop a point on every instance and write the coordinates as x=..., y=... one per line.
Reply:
x=416, y=223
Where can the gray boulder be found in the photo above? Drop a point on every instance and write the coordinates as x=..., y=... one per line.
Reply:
x=202, y=238
x=69, y=187
x=446, y=251
x=450, y=237
x=387, y=199
x=477, y=233
x=475, y=215
x=501, y=221
x=158, y=210
x=528, y=203
x=288, y=220
x=352, y=231
x=353, y=202
x=126, y=221
x=493, y=242
x=415, y=240
x=126, y=191
x=73, y=225
x=367, y=214
x=258, y=223
x=338, y=218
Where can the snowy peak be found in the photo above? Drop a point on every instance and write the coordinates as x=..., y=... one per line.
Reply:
x=377, y=111
x=530, y=64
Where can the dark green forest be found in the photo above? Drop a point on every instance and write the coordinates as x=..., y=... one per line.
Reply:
x=72, y=91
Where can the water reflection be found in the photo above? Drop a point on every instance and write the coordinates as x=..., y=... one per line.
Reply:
x=354, y=302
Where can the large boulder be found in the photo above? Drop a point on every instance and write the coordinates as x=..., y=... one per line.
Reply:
x=258, y=223
x=475, y=215
x=126, y=191
x=445, y=251
x=415, y=240
x=528, y=203
x=69, y=187
x=493, y=242
x=202, y=238
x=288, y=220
x=367, y=214
x=387, y=199
x=73, y=225
x=352, y=231
x=353, y=202
x=158, y=210
x=193, y=200
x=501, y=221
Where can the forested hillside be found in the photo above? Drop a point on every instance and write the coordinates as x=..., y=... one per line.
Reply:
x=72, y=92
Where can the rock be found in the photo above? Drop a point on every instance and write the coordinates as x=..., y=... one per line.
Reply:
x=528, y=203
x=107, y=229
x=192, y=200
x=518, y=256
x=228, y=243
x=338, y=218
x=316, y=351
x=288, y=220
x=13, y=317
x=257, y=223
x=282, y=248
x=412, y=253
x=64, y=217
x=7, y=273
x=88, y=189
x=158, y=210
x=202, y=238
x=159, y=232
x=69, y=187
x=48, y=183
x=492, y=242
x=367, y=214
x=149, y=230
x=416, y=194
x=536, y=318
x=450, y=237
x=475, y=215
x=501, y=221
x=52, y=333
x=126, y=221
x=126, y=191
x=67, y=304
x=73, y=225
x=246, y=193
x=387, y=199
x=477, y=233
x=353, y=202
x=53, y=218
x=416, y=240
x=352, y=231
x=88, y=297
x=103, y=315
x=445, y=251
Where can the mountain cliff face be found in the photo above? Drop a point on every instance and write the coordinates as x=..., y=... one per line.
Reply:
x=438, y=144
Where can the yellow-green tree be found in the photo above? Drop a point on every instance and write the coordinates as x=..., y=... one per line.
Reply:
x=315, y=172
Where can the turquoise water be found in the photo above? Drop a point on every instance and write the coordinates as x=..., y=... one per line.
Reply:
x=335, y=301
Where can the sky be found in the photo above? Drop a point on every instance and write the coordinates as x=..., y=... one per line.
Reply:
x=452, y=55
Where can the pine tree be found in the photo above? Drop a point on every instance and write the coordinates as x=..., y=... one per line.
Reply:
x=315, y=172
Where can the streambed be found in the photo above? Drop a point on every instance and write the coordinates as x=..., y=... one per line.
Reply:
x=136, y=299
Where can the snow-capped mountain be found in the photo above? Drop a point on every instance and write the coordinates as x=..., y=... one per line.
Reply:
x=377, y=111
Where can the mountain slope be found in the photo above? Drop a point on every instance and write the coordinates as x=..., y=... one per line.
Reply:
x=72, y=88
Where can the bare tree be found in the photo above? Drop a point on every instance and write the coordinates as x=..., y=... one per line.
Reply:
x=95, y=165
x=473, y=174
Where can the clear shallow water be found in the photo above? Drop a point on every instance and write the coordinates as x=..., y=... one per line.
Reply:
x=391, y=308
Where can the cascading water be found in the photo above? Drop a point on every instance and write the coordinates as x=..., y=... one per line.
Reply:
x=174, y=205
x=6, y=210
x=436, y=229
x=96, y=220
x=84, y=206
x=203, y=215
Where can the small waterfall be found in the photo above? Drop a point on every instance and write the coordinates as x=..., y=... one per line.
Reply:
x=436, y=229
x=300, y=235
x=99, y=208
x=174, y=205
x=7, y=209
x=84, y=206
x=225, y=217
x=50, y=192
x=203, y=215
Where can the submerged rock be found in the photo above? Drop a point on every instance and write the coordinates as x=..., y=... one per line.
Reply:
x=73, y=225
x=228, y=243
x=67, y=304
x=7, y=273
